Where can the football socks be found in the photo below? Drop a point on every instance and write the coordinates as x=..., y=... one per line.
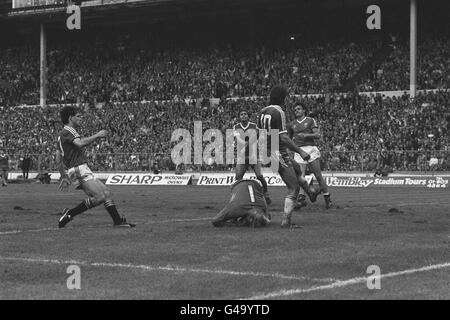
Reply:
x=112, y=210
x=82, y=207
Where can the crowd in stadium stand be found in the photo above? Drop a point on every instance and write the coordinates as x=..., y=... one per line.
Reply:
x=393, y=73
x=129, y=72
x=355, y=130
x=106, y=74
x=141, y=94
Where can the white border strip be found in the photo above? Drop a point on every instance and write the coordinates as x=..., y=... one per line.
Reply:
x=166, y=268
x=340, y=284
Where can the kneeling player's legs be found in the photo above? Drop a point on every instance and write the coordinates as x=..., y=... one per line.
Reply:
x=240, y=171
x=259, y=176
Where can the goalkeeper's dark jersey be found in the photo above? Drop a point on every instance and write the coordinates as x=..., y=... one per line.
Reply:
x=246, y=197
x=247, y=194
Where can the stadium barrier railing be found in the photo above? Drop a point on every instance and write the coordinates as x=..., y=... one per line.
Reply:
x=332, y=161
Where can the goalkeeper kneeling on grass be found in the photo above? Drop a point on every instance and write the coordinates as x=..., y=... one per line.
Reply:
x=247, y=206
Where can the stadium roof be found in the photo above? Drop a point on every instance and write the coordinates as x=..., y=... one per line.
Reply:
x=163, y=7
x=131, y=11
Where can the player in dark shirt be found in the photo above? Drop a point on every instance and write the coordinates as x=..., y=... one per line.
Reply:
x=243, y=132
x=26, y=165
x=273, y=117
x=70, y=155
x=384, y=162
x=4, y=166
x=305, y=132
x=247, y=206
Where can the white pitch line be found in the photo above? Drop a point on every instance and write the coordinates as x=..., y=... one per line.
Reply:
x=90, y=227
x=30, y=230
x=178, y=220
x=166, y=268
x=401, y=204
x=35, y=194
x=344, y=283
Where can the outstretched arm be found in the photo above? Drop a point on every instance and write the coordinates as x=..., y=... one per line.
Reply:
x=82, y=142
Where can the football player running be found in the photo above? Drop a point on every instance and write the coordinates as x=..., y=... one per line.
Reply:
x=70, y=155
x=273, y=117
x=305, y=132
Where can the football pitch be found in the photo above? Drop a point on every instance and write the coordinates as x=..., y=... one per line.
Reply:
x=175, y=252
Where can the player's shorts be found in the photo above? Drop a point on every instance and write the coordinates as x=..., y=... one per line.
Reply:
x=280, y=161
x=80, y=174
x=313, y=151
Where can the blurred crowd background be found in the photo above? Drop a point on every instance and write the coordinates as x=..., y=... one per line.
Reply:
x=142, y=83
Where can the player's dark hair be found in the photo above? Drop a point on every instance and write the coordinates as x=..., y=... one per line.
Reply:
x=277, y=95
x=304, y=107
x=67, y=112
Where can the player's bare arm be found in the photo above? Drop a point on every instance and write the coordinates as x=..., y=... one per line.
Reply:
x=315, y=135
x=284, y=138
x=82, y=142
x=65, y=182
x=290, y=131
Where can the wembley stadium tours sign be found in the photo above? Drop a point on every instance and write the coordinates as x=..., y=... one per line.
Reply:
x=411, y=181
x=434, y=182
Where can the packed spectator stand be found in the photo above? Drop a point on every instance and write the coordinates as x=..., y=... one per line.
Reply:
x=142, y=95
x=355, y=129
